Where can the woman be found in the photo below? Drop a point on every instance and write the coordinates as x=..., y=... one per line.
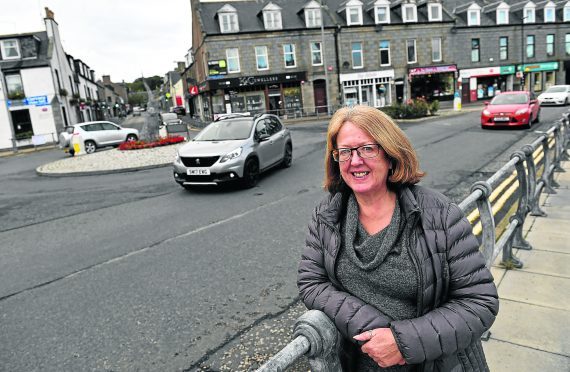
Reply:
x=394, y=265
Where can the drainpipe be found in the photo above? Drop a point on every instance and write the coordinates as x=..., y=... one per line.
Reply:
x=336, y=49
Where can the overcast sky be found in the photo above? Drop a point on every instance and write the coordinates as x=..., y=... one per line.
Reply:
x=121, y=38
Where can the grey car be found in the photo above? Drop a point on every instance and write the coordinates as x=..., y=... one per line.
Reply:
x=234, y=148
x=96, y=134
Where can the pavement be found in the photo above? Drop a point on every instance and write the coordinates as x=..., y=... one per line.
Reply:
x=532, y=330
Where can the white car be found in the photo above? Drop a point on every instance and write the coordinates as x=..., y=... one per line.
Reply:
x=96, y=134
x=555, y=95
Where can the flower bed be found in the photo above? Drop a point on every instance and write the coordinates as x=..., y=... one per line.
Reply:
x=137, y=145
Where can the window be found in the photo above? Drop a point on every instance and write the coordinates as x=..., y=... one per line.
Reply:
x=434, y=12
x=502, y=16
x=357, y=60
x=549, y=13
x=550, y=45
x=10, y=49
x=473, y=17
x=530, y=46
x=316, y=54
x=475, y=49
x=272, y=19
x=411, y=50
x=382, y=13
x=229, y=22
x=261, y=58
x=384, y=53
x=232, y=56
x=529, y=14
x=289, y=55
x=354, y=15
x=436, y=49
x=567, y=44
x=14, y=86
x=566, y=12
x=503, y=48
x=313, y=17
x=410, y=13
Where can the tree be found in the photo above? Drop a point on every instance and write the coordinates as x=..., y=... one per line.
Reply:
x=138, y=98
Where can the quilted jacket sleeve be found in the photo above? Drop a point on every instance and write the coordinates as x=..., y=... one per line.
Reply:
x=472, y=302
x=350, y=314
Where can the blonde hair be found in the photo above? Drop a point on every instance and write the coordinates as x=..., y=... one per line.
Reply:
x=385, y=132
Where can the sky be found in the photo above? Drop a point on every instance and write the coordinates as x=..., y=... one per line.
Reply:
x=121, y=38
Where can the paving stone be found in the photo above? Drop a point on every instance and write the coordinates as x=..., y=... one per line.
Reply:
x=508, y=357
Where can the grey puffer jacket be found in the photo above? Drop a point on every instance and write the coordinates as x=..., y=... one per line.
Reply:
x=457, y=299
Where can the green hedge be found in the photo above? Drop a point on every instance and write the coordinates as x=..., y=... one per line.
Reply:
x=413, y=108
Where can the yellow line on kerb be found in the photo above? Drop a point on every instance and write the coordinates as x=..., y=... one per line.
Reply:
x=538, y=154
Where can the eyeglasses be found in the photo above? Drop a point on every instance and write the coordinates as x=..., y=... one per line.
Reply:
x=365, y=152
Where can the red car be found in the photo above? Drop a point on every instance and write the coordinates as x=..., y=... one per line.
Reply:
x=511, y=109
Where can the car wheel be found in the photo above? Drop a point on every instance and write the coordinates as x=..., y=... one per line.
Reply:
x=90, y=147
x=537, y=119
x=131, y=138
x=566, y=102
x=250, y=173
x=288, y=156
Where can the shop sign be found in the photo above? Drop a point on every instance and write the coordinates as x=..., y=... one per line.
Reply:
x=193, y=90
x=546, y=66
x=36, y=101
x=356, y=76
x=247, y=81
x=487, y=71
x=432, y=70
x=203, y=86
x=218, y=67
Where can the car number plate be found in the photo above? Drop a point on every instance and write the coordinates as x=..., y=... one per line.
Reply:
x=501, y=118
x=199, y=172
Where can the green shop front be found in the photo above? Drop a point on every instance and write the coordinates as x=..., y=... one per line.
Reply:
x=539, y=76
x=278, y=94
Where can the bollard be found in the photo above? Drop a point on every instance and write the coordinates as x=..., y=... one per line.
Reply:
x=77, y=144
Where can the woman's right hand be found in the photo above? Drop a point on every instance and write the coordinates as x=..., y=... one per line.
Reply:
x=381, y=346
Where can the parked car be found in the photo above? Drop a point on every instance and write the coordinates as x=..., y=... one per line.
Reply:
x=179, y=110
x=137, y=111
x=509, y=109
x=234, y=148
x=96, y=134
x=169, y=118
x=555, y=95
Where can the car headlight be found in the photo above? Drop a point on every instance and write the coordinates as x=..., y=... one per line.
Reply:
x=486, y=112
x=231, y=155
x=521, y=111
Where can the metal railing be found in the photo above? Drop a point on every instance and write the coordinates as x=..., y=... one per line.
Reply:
x=316, y=336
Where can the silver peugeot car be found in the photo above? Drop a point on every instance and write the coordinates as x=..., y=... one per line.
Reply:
x=235, y=147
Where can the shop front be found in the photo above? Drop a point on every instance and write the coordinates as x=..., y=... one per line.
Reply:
x=433, y=82
x=372, y=88
x=279, y=94
x=539, y=76
x=484, y=83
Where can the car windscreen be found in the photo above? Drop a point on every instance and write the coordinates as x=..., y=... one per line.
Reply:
x=510, y=99
x=235, y=129
x=556, y=90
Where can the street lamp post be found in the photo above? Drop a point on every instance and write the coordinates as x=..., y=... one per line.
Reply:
x=323, y=55
x=522, y=51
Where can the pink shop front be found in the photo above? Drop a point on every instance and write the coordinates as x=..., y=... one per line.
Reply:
x=433, y=82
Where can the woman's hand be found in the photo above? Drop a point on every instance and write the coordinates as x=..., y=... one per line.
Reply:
x=381, y=347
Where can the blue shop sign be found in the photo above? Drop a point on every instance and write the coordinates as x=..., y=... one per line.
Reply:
x=36, y=101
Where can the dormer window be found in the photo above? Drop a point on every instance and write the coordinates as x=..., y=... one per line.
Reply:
x=382, y=11
x=529, y=13
x=549, y=12
x=434, y=12
x=354, y=13
x=10, y=49
x=313, y=16
x=566, y=12
x=228, y=19
x=409, y=13
x=503, y=14
x=272, y=17
x=474, y=15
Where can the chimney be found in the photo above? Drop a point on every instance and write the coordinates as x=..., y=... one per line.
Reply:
x=49, y=13
x=106, y=79
x=181, y=66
